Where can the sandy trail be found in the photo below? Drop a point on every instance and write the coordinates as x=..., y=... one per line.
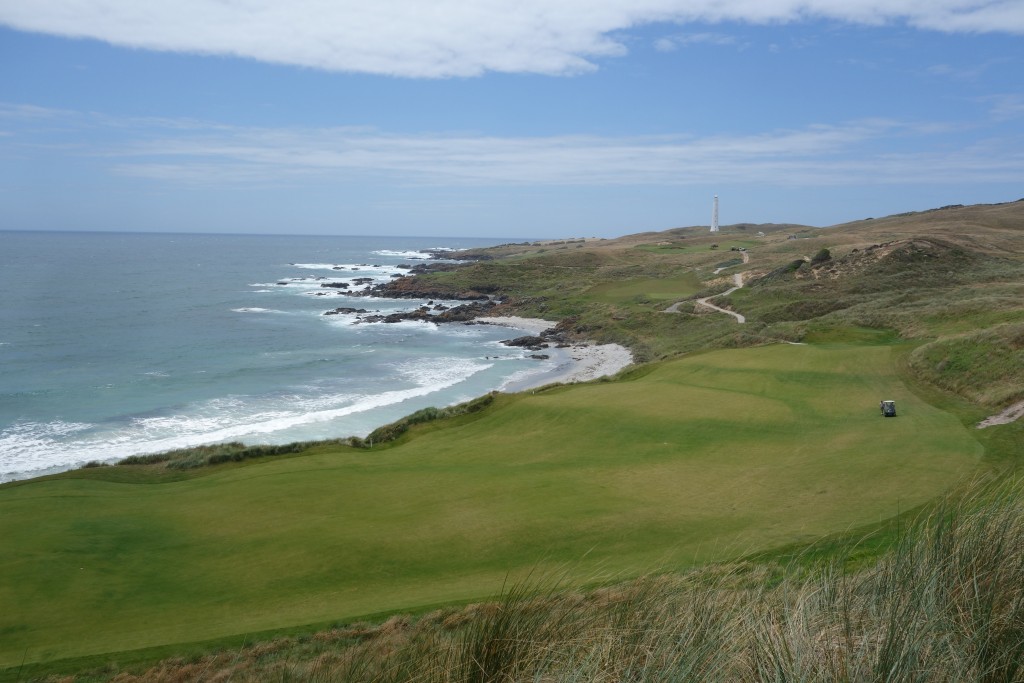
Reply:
x=737, y=280
x=1014, y=412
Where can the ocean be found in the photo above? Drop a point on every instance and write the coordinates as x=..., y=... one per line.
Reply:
x=115, y=344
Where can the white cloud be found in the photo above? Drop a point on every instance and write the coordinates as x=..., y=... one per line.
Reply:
x=671, y=43
x=439, y=38
x=665, y=45
x=190, y=151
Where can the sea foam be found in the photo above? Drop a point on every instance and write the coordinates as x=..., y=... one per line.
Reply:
x=38, y=448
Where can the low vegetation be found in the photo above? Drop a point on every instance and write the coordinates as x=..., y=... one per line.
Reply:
x=201, y=456
x=393, y=431
x=731, y=470
x=984, y=365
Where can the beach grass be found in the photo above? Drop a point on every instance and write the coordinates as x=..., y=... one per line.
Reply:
x=705, y=458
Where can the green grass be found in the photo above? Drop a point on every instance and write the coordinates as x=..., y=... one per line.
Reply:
x=706, y=458
x=986, y=366
x=646, y=290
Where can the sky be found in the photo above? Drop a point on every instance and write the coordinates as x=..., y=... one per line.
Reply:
x=502, y=118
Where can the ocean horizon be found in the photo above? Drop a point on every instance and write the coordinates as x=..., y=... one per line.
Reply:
x=118, y=344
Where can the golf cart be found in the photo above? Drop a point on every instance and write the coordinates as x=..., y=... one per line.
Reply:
x=888, y=408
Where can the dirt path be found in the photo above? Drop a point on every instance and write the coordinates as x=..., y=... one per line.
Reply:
x=738, y=280
x=1014, y=412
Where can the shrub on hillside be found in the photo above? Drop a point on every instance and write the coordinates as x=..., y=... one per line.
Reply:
x=821, y=257
x=215, y=454
x=783, y=272
x=985, y=366
x=392, y=431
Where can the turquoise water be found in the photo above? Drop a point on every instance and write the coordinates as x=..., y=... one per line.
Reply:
x=118, y=344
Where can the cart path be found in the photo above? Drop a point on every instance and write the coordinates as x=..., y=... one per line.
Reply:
x=1014, y=412
x=737, y=279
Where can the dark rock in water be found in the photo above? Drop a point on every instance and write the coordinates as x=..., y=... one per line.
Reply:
x=404, y=266
x=397, y=275
x=527, y=342
x=335, y=285
x=337, y=268
x=421, y=268
x=421, y=316
x=345, y=309
x=362, y=280
x=396, y=317
x=462, y=313
x=540, y=356
x=282, y=283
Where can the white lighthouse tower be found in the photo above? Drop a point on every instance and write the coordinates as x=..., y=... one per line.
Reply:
x=714, y=216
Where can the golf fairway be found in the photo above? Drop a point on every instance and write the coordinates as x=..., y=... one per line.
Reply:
x=700, y=459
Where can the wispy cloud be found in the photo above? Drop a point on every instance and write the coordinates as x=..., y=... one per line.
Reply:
x=963, y=73
x=1006, y=107
x=674, y=42
x=189, y=151
x=442, y=38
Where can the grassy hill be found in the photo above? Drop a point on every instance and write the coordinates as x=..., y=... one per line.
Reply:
x=932, y=275
x=727, y=444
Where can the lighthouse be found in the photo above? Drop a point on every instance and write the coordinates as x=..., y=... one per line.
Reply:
x=714, y=216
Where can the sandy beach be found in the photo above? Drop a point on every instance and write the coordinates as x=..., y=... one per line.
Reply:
x=577, y=363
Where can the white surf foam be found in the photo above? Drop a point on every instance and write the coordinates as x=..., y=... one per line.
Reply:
x=315, y=266
x=409, y=254
x=32, y=449
x=29, y=447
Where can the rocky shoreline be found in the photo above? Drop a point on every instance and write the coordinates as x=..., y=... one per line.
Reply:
x=579, y=362
x=574, y=362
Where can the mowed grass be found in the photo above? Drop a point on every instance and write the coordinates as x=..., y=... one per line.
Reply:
x=700, y=459
x=644, y=290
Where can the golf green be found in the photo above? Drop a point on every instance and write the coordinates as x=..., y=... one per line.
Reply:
x=700, y=459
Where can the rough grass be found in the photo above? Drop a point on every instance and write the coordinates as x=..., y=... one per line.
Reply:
x=946, y=603
x=696, y=460
x=987, y=366
x=925, y=276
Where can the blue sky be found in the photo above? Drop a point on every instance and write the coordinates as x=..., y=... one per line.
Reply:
x=503, y=119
